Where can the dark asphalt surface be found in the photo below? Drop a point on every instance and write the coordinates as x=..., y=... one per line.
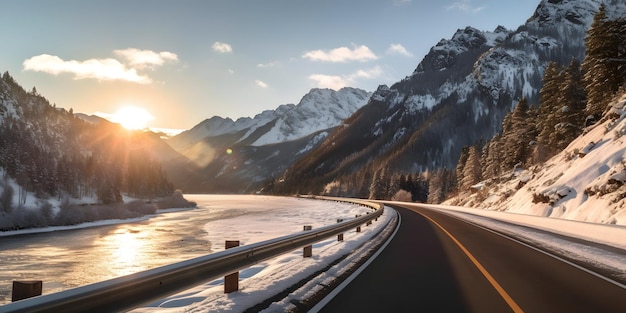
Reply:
x=424, y=270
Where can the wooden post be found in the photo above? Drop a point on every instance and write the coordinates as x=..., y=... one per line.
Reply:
x=340, y=236
x=358, y=228
x=26, y=289
x=307, y=251
x=231, y=281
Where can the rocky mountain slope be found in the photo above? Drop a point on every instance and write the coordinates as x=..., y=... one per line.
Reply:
x=457, y=96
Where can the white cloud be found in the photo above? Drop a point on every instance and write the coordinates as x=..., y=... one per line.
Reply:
x=261, y=83
x=342, y=54
x=101, y=69
x=337, y=82
x=465, y=6
x=399, y=50
x=141, y=58
x=222, y=47
x=329, y=81
x=267, y=65
x=231, y=71
x=371, y=73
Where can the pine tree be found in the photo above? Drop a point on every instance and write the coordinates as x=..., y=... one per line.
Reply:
x=393, y=186
x=472, y=169
x=572, y=99
x=460, y=165
x=436, y=187
x=599, y=65
x=378, y=187
x=419, y=188
x=548, y=105
x=620, y=30
x=518, y=133
x=492, y=158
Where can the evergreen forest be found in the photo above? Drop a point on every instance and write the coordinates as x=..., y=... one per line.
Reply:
x=51, y=155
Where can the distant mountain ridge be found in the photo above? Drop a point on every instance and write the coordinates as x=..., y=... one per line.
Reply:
x=319, y=109
x=261, y=147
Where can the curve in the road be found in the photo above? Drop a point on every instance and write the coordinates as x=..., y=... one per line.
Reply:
x=439, y=263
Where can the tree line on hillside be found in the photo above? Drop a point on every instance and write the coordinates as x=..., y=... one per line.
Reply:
x=574, y=95
x=572, y=98
x=51, y=153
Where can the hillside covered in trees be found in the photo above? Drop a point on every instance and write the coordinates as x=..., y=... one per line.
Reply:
x=573, y=97
x=51, y=161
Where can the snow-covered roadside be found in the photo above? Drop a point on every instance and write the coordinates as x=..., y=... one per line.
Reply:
x=267, y=278
x=564, y=237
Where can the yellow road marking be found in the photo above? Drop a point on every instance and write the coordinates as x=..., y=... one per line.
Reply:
x=490, y=278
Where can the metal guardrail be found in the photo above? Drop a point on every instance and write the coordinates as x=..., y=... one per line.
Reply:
x=131, y=291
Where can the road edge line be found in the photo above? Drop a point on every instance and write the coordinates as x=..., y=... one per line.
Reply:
x=545, y=251
x=329, y=297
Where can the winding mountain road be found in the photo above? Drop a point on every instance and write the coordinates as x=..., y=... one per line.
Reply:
x=439, y=263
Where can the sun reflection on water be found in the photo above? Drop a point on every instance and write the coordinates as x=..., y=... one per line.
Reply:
x=122, y=251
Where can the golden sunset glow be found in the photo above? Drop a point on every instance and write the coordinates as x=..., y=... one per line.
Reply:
x=131, y=117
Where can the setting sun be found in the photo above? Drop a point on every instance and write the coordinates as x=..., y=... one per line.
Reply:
x=132, y=118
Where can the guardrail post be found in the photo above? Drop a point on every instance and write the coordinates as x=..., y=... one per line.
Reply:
x=26, y=289
x=368, y=222
x=307, y=251
x=340, y=236
x=231, y=281
x=358, y=228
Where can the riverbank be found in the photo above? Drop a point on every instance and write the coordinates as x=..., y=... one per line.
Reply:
x=47, y=217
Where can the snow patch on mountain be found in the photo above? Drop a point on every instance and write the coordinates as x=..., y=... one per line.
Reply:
x=573, y=12
x=444, y=54
x=318, y=110
x=420, y=102
x=313, y=142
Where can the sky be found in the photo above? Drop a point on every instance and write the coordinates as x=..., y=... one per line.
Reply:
x=181, y=62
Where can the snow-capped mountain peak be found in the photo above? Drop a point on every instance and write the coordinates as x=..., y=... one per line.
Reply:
x=556, y=13
x=443, y=55
x=318, y=110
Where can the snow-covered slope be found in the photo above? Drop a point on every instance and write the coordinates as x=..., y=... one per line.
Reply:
x=318, y=110
x=584, y=182
x=554, y=13
x=216, y=126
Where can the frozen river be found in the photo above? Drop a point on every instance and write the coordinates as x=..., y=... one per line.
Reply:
x=75, y=257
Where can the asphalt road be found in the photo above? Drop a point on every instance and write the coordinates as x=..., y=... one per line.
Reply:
x=437, y=263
